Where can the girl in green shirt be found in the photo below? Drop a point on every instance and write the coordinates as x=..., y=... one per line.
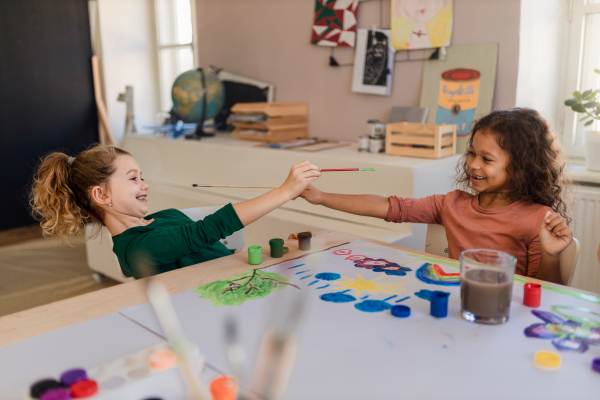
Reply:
x=104, y=185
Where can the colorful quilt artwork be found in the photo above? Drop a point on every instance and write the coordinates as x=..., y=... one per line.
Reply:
x=335, y=23
x=421, y=24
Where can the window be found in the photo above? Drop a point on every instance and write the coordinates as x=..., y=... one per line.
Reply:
x=175, y=46
x=583, y=58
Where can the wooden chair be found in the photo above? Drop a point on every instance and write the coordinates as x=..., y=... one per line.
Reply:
x=104, y=262
x=436, y=243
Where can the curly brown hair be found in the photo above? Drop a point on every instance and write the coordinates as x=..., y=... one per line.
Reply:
x=60, y=196
x=536, y=167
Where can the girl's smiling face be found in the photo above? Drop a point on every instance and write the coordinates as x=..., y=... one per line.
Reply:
x=126, y=188
x=487, y=163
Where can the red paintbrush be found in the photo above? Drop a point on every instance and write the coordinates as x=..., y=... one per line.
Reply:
x=348, y=169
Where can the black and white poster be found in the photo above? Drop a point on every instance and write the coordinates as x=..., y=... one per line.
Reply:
x=373, y=62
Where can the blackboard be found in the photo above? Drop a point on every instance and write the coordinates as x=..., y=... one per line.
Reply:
x=46, y=96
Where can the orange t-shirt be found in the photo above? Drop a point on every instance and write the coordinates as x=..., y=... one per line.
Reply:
x=513, y=229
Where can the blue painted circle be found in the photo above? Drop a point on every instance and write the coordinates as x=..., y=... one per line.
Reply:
x=338, y=297
x=372, y=306
x=328, y=276
x=400, y=311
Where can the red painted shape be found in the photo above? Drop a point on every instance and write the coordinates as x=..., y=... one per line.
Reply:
x=441, y=272
x=356, y=258
x=342, y=252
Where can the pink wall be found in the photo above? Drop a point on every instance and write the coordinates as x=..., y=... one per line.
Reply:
x=269, y=40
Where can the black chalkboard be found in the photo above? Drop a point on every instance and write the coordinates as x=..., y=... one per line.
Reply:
x=46, y=93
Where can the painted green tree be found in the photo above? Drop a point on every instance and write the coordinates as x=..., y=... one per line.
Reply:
x=243, y=287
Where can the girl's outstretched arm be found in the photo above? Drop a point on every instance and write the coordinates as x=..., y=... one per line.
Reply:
x=300, y=176
x=369, y=205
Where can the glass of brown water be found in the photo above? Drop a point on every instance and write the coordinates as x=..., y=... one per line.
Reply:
x=486, y=280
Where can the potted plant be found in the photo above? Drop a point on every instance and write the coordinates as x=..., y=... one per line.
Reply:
x=587, y=103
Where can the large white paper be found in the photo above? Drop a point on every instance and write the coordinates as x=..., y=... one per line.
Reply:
x=351, y=354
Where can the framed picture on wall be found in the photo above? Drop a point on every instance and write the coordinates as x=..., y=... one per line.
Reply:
x=373, y=62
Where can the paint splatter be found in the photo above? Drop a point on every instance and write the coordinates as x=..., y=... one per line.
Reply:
x=435, y=275
x=296, y=266
x=339, y=297
x=565, y=334
x=312, y=283
x=301, y=272
x=372, y=306
x=304, y=277
x=323, y=287
x=407, y=297
x=328, y=276
x=243, y=287
x=360, y=285
x=381, y=265
x=342, y=252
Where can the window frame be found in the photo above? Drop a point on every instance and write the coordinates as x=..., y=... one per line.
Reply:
x=158, y=48
x=578, y=11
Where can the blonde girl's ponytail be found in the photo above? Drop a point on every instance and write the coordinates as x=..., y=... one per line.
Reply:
x=60, y=196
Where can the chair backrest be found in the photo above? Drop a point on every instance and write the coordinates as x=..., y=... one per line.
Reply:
x=101, y=258
x=568, y=262
x=436, y=241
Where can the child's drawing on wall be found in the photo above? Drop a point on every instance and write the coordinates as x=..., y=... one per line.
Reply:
x=421, y=24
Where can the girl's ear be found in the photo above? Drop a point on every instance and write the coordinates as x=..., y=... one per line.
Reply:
x=100, y=196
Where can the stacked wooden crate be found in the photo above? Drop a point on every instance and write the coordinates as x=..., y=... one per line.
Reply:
x=272, y=122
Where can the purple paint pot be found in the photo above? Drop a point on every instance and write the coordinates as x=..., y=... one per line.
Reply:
x=596, y=364
x=56, y=394
x=71, y=376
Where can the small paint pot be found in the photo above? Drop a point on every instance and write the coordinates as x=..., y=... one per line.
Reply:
x=254, y=255
x=400, y=311
x=285, y=250
x=276, y=247
x=304, y=240
x=596, y=364
x=162, y=359
x=439, y=304
x=363, y=143
x=71, y=376
x=56, y=394
x=224, y=388
x=83, y=389
x=42, y=386
x=532, y=294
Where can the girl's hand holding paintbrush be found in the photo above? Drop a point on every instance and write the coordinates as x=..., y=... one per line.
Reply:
x=299, y=177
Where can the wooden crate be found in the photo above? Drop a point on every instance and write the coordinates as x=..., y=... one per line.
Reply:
x=285, y=122
x=273, y=135
x=437, y=140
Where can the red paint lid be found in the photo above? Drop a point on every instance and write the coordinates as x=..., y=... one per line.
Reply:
x=461, y=74
x=532, y=294
x=83, y=389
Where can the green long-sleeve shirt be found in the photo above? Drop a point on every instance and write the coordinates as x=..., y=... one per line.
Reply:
x=174, y=241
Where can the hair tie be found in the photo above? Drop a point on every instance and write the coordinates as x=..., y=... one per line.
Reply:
x=70, y=161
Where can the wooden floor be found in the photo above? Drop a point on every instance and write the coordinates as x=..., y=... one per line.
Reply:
x=41, y=271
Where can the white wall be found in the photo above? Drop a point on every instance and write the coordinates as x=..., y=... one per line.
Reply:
x=128, y=58
x=542, y=58
x=269, y=40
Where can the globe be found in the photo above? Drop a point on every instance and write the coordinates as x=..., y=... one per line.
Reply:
x=187, y=95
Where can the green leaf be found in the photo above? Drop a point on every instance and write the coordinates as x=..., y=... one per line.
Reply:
x=570, y=102
x=597, y=71
x=591, y=104
x=589, y=122
x=576, y=94
x=584, y=118
x=578, y=108
x=585, y=94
